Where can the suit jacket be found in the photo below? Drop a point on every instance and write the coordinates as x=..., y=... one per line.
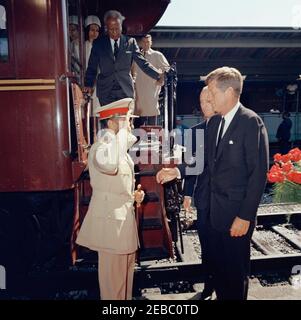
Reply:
x=112, y=70
x=238, y=171
x=110, y=224
x=198, y=185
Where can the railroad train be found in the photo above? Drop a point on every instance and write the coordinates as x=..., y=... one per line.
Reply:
x=43, y=155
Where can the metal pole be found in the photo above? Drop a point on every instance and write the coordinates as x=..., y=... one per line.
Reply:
x=81, y=42
x=297, y=116
x=165, y=111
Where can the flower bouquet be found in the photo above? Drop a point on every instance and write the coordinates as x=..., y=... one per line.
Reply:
x=286, y=176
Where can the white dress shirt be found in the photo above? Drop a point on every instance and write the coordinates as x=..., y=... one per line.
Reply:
x=228, y=118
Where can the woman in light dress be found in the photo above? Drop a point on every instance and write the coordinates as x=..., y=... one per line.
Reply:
x=92, y=30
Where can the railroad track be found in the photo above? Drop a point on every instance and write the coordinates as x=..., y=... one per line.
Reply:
x=276, y=246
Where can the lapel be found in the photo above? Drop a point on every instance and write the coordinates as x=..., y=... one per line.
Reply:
x=225, y=139
x=108, y=48
x=122, y=44
x=210, y=142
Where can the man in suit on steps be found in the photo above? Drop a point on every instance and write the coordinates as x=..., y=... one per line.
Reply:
x=114, y=54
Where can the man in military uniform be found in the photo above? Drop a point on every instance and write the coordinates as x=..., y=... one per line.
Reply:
x=110, y=226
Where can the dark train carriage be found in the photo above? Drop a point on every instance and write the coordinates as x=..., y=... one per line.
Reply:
x=39, y=166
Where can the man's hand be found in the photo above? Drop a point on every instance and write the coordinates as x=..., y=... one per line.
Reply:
x=124, y=123
x=239, y=227
x=160, y=82
x=187, y=203
x=167, y=174
x=88, y=90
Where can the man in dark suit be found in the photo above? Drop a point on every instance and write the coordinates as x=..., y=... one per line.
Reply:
x=197, y=185
x=284, y=133
x=114, y=54
x=238, y=154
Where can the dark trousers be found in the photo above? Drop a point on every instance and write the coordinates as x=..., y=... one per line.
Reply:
x=285, y=146
x=115, y=94
x=150, y=121
x=230, y=261
x=203, y=232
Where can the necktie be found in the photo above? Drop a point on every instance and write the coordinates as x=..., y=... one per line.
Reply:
x=116, y=49
x=220, y=134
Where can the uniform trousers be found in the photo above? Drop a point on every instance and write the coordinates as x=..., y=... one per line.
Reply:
x=115, y=274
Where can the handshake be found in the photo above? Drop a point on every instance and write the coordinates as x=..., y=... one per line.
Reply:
x=168, y=174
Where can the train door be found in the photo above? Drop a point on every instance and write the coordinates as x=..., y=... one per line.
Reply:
x=155, y=235
x=80, y=116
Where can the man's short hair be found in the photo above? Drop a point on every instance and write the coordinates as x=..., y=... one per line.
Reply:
x=147, y=36
x=113, y=14
x=226, y=77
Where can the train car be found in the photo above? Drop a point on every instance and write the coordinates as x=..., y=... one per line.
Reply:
x=42, y=158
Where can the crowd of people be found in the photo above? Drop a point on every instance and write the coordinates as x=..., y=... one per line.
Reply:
x=115, y=66
x=226, y=193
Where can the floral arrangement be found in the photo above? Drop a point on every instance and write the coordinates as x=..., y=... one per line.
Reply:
x=286, y=176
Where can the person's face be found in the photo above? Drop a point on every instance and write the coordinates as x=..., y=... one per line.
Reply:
x=146, y=43
x=206, y=106
x=93, y=32
x=118, y=123
x=114, y=28
x=217, y=97
x=73, y=32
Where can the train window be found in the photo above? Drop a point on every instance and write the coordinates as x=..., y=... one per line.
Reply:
x=3, y=35
x=75, y=39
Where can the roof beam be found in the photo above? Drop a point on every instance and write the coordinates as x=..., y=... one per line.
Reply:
x=166, y=29
x=226, y=43
x=194, y=70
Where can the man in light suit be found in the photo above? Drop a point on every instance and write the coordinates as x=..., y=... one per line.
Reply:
x=147, y=89
x=109, y=226
x=238, y=153
x=114, y=54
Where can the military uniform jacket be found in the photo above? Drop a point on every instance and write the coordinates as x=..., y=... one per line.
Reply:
x=110, y=223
